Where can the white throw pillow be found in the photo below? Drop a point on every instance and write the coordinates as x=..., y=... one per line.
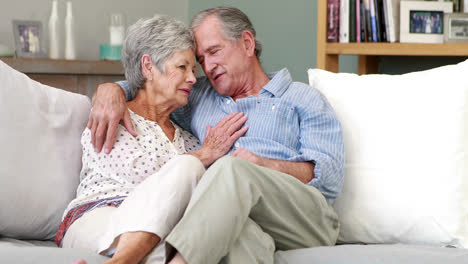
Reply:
x=40, y=154
x=406, y=145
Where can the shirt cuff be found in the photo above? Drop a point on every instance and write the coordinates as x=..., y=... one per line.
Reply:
x=128, y=93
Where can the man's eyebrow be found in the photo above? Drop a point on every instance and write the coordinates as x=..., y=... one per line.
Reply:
x=213, y=47
x=210, y=48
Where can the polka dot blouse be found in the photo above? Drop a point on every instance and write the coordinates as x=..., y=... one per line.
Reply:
x=132, y=159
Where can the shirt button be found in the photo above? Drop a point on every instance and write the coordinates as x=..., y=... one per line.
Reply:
x=273, y=107
x=237, y=145
x=227, y=101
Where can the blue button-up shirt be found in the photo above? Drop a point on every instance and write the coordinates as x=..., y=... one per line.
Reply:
x=287, y=121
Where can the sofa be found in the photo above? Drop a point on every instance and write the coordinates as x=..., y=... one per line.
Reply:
x=405, y=197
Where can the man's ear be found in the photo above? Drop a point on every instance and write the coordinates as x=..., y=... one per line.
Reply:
x=248, y=40
x=147, y=66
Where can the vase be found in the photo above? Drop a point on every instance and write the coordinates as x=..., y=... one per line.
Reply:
x=70, y=53
x=54, y=51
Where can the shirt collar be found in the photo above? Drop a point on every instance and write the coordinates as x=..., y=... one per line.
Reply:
x=279, y=82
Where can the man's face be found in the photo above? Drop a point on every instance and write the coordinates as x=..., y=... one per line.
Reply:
x=224, y=62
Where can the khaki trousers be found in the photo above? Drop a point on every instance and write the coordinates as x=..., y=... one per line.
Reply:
x=241, y=213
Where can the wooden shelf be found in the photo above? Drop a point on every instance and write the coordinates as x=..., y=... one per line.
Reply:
x=398, y=49
x=78, y=76
x=368, y=53
x=75, y=67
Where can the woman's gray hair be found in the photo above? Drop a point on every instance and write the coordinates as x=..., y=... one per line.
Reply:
x=160, y=37
x=233, y=22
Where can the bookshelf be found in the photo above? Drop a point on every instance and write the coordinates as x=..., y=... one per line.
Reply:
x=368, y=53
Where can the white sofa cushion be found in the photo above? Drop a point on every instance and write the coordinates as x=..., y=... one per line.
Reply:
x=406, y=145
x=40, y=154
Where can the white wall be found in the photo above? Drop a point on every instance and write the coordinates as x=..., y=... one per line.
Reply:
x=91, y=18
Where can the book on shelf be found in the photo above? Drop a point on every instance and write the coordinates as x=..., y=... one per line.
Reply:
x=367, y=14
x=358, y=21
x=362, y=15
x=352, y=21
x=373, y=21
x=381, y=19
x=390, y=36
x=344, y=21
x=333, y=17
x=394, y=19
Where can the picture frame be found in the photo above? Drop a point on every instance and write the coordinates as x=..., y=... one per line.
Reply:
x=29, y=39
x=456, y=27
x=422, y=21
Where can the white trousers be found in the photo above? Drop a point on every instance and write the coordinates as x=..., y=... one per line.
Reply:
x=155, y=206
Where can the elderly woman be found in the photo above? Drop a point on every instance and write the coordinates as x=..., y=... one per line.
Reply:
x=129, y=200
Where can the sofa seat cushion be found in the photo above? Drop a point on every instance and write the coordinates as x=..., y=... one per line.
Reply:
x=6, y=241
x=371, y=254
x=18, y=252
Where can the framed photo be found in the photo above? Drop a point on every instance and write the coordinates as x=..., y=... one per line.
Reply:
x=422, y=21
x=456, y=27
x=29, y=39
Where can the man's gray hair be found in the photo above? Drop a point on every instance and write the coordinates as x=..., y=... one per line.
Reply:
x=160, y=37
x=233, y=22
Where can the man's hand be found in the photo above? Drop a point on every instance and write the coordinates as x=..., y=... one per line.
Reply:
x=301, y=170
x=249, y=156
x=109, y=107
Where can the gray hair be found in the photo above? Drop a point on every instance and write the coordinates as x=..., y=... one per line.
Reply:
x=160, y=37
x=233, y=22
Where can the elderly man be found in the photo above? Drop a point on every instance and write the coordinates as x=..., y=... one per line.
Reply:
x=274, y=189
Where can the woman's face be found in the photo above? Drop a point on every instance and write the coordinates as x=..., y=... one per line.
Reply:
x=177, y=80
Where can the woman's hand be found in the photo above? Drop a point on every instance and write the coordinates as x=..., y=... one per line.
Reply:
x=219, y=139
x=109, y=107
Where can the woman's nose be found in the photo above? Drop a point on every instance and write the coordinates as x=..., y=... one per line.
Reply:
x=191, y=78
